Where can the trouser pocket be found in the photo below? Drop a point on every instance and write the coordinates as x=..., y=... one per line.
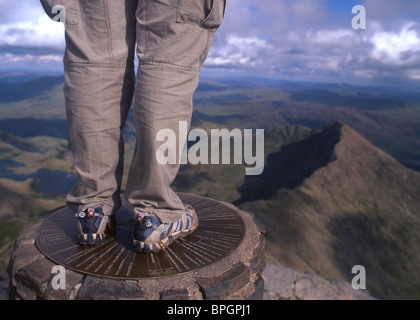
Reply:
x=53, y=8
x=207, y=14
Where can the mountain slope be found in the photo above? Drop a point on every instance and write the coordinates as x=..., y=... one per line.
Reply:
x=34, y=88
x=338, y=202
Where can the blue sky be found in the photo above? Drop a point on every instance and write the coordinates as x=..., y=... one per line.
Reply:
x=342, y=6
x=302, y=40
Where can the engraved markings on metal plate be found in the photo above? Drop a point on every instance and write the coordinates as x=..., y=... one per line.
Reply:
x=220, y=231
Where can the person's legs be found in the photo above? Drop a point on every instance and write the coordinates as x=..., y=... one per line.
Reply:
x=173, y=40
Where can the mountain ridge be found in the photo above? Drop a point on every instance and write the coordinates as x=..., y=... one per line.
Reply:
x=358, y=208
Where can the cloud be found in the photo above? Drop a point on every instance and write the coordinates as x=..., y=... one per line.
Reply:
x=13, y=58
x=240, y=52
x=313, y=39
x=346, y=37
x=299, y=39
x=24, y=23
x=399, y=48
x=28, y=37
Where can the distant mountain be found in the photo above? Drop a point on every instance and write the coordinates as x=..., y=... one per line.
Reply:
x=30, y=127
x=333, y=201
x=17, y=91
x=387, y=118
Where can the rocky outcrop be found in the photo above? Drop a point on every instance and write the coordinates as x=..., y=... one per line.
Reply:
x=282, y=283
x=4, y=285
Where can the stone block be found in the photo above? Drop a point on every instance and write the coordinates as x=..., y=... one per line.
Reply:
x=21, y=257
x=32, y=280
x=181, y=294
x=72, y=284
x=96, y=288
x=221, y=287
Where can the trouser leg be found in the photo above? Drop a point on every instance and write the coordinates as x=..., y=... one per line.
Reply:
x=162, y=100
x=97, y=103
x=99, y=85
x=173, y=40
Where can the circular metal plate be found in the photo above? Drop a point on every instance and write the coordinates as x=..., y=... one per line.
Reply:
x=220, y=231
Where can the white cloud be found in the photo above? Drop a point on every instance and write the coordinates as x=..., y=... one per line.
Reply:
x=397, y=47
x=8, y=58
x=28, y=37
x=39, y=32
x=327, y=37
x=245, y=51
x=303, y=38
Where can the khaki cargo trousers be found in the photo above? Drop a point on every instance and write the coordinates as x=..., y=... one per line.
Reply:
x=172, y=39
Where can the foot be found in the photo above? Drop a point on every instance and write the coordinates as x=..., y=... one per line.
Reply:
x=150, y=235
x=92, y=225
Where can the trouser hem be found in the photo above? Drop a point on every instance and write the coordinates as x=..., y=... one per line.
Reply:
x=164, y=216
x=107, y=209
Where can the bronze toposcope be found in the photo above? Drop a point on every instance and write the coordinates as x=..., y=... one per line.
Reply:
x=221, y=230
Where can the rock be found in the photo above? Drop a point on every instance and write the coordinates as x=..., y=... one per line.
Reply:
x=73, y=283
x=96, y=288
x=4, y=285
x=22, y=256
x=311, y=287
x=33, y=278
x=226, y=284
x=279, y=282
x=181, y=294
x=282, y=283
x=343, y=285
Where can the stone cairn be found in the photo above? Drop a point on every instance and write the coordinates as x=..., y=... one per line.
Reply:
x=236, y=276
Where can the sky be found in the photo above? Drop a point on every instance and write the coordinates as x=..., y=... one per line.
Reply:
x=300, y=40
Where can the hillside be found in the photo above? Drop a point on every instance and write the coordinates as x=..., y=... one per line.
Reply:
x=333, y=201
x=28, y=167
x=20, y=203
